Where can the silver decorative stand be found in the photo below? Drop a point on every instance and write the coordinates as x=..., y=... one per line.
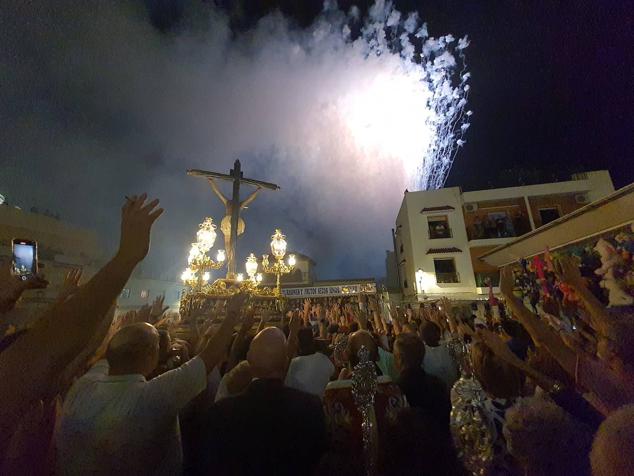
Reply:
x=364, y=386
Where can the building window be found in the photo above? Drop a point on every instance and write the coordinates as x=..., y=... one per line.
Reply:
x=145, y=293
x=446, y=270
x=125, y=293
x=439, y=227
x=548, y=214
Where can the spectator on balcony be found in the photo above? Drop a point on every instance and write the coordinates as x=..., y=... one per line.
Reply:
x=490, y=229
x=477, y=228
x=519, y=223
x=500, y=226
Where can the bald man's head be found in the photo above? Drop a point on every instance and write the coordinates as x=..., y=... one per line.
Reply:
x=356, y=341
x=267, y=354
x=134, y=349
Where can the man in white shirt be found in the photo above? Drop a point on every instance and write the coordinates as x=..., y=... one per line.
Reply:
x=310, y=371
x=115, y=421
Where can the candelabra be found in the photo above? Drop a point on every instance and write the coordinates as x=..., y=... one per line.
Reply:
x=197, y=273
x=279, y=267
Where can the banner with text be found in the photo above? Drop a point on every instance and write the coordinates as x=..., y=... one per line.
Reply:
x=329, y=291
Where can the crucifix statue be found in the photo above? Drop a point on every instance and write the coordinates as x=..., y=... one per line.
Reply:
x=232, y=224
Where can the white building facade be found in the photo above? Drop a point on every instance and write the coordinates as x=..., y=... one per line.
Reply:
x=440, y=234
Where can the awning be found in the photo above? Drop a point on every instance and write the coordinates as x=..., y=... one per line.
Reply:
x=441, y=208
x=453, y=249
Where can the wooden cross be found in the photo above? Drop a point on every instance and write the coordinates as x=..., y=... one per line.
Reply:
x=232, y=211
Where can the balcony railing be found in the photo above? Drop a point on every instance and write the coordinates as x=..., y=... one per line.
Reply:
x=437, y=234
x=500, y=228
x=447, y=278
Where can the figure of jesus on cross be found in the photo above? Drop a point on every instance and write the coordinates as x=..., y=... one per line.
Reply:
x=232, y=224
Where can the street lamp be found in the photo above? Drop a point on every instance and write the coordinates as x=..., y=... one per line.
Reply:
x=279, y=267
x=424, y=280
x=420, y=277
x=199, y=263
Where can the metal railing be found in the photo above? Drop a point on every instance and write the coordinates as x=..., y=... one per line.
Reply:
x=447, y=278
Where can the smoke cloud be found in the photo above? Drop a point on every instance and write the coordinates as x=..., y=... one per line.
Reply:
x=96, y=104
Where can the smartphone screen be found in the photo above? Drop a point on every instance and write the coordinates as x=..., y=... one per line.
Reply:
x=24, y=258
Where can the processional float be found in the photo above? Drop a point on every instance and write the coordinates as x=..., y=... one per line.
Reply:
x=202, y=293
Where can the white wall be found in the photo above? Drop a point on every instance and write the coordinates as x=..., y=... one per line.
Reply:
x=418, y=226
x=601, y=184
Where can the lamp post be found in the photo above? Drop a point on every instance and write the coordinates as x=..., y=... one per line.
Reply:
x=197, y=273
x=279, y=267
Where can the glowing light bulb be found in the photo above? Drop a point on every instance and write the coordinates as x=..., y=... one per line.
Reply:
x=251, y=265
x=291, y=260
x=221, y=256
x=240, y=277
x=258, y=278
x=194, y=253
x=278, y=244
x=206, y=276
x=187, y=275
x=206, y=235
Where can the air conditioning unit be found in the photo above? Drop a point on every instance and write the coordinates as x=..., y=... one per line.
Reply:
x=471, y=207
x=582, y=198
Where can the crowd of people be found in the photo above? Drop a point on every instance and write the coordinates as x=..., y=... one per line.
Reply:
x=329, y=387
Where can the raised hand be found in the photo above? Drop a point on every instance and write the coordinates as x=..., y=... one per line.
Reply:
x=11, y=287
x=568, y=271
x=158, y=308
x=445, y=305
x=579, y=344
x=70, y=285
x=235, y=302
x=498, y=346
x=234, y=306
x=265, y=315
x=321, y=312
x=507, y=282
x=373, y=304
x=144, y=314
x=128, y=318
x=137, y=219
x=295, y=324
x=362, y=319
x=249, y=319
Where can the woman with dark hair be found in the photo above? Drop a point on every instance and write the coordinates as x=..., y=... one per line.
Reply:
x=520, y=340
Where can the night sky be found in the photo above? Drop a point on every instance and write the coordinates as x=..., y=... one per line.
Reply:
x=89, y=114
x=552, y=87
